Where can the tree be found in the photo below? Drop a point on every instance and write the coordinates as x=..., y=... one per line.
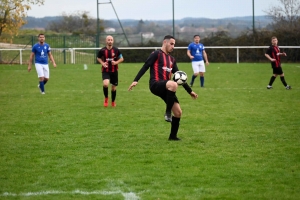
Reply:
x=76, y=23
x=13, y=14
x=286, y=15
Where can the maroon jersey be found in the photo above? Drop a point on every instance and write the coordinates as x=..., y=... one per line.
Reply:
x=108, y=55
x=161, y=66
x=273, y=52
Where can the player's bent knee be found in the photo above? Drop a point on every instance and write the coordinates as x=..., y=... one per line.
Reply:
x=177, y=113
x=172, y=86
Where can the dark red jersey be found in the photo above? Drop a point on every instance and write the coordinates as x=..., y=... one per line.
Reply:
x=161, y=66
x=273, y=52
x=108, y=55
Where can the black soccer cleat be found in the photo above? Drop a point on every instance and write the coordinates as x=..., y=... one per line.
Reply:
x=172, y=138
x=288, y=87
x=168, y=117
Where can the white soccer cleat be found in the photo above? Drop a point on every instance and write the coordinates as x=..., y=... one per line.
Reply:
x=269, y=87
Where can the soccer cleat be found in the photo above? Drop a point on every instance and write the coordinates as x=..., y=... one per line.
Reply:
x=174, y=138
x=113, y=104
x=269, y=87
x=288, y=87
x=43, y=93
x=105, y=104
x=168, y=117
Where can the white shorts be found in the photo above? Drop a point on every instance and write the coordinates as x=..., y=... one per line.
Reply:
x=42, y=70
x=198, y=66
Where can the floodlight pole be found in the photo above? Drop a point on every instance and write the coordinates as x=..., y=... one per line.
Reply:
x=98, y=20
x=98, y=27
x=173, y=19
x=253, y=22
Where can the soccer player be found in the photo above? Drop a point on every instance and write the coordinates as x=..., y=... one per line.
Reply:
x=162, y=65
x=196, y=52
x=41, y=51
x=273, y=54
x=109, y=57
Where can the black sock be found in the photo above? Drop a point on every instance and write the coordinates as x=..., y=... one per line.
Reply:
x=174, y=127
x=45, y=81
x=113, y=95
x=170, y=100
x=272, y=80
x=105, y=91
x=283, y=81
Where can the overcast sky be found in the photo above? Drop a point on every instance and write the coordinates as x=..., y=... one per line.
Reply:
x=154, y=9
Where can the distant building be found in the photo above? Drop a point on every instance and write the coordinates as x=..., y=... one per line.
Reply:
x=147, y=35
x=109, y=30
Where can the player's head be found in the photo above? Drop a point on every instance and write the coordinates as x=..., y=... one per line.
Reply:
x=109, y=41
x=274, y=41
x=197, y=38
x=41, y=38
x=168, y=43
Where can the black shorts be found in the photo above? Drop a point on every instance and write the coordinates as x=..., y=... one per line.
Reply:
x=112, y=76
x=277, y=70
x=159, y=89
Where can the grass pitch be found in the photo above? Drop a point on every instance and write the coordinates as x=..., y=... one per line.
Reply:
x=239, y=140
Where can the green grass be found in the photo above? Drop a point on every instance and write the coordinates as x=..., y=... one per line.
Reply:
x=239, y=140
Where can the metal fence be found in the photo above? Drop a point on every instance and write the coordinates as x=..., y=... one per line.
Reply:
x=235, y=54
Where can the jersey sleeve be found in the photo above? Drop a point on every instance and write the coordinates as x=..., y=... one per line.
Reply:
x=33, y=49
x=269, y=51
x=99, y=55
x=175, y=67
x=149, y=62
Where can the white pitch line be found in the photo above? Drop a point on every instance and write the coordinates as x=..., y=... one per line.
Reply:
x=127, y=196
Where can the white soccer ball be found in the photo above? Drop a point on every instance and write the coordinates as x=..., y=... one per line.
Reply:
x=180, y=77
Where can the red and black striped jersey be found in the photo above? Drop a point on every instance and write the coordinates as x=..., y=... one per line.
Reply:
x=108, y=55
x=161, y=66
x=273, y=52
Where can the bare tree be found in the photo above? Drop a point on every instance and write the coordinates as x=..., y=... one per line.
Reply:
x=79, y=22
x=287, y=14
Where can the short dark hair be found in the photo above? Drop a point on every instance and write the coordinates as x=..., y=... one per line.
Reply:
x=196, y=35
x=41, y=34
x=167, y=37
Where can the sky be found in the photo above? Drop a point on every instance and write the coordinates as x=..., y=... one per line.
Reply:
x=154, y=9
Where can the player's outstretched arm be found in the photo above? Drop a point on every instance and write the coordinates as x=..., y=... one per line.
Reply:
x=133, y=84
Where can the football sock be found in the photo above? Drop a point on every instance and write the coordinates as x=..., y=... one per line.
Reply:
x=283, y=81
x=42, y=86
x=201, y=81
x=113, y=95
x=45, y=81
x=272, y=80
x=105, y=91
x=174, y=126
x=193, y=78
x=170, y=100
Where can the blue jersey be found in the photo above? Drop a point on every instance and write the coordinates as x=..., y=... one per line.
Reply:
x=41, y=53
x=196, y=50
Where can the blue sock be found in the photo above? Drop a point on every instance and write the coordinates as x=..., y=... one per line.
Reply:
x=202, y=81
x=193, y=78
x=42, y=86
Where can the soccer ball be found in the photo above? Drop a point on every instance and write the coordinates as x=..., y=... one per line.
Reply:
x=180, y=77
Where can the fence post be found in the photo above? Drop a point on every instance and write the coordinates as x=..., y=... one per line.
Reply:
x=64, y=49
x=20, y=56
x=237, y=54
